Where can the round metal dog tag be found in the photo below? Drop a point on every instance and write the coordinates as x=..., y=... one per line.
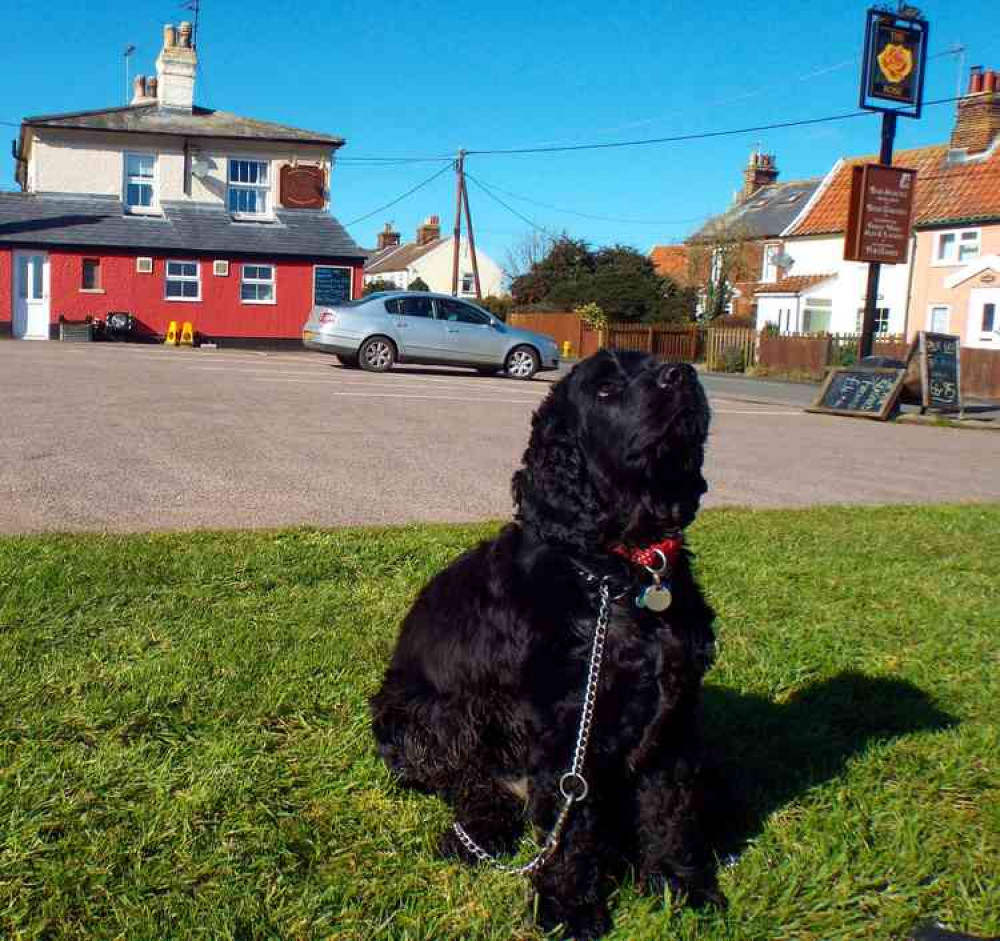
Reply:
x=656, y=598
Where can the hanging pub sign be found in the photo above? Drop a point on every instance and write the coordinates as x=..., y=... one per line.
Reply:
x=879, y=214
x=892, y=76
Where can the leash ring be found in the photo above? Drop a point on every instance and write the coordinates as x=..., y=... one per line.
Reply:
x=571, y=781
x=662, y=567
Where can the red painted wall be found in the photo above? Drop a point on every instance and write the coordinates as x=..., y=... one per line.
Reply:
x=218, y=314
x=6, y=292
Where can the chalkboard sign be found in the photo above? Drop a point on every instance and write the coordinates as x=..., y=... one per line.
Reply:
x=331, y=285
x=863, y=392
x=940, y=374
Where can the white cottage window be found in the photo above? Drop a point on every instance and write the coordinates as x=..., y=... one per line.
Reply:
x=140, y=183
x=249, y=187
x=956, y=248
x=183, y=281
x=257, y=284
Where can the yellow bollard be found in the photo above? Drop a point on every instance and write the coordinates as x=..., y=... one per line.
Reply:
x=567, y=349
x=187, y=334
x=171, y=338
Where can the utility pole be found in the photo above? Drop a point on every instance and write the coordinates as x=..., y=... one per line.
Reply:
x=462, y=197
x=472, y=240
x=457, y=231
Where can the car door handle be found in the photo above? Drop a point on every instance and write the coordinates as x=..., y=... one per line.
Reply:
x=400, y=323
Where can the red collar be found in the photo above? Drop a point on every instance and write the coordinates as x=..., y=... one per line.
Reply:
x=649, y=556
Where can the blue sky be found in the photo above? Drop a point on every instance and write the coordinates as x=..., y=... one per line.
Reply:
x=423, y=79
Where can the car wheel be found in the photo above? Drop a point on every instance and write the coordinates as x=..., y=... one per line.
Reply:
x=351, y=362
x=377, y=354
x=522, y=362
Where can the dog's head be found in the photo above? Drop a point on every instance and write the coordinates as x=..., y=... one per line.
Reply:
x=615, y=453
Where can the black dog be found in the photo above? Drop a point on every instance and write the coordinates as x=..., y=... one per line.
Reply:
x=482, y=701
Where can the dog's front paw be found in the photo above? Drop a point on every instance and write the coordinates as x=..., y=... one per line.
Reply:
x=577, y=924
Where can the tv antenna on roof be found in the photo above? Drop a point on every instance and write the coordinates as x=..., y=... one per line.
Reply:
x=129, y=49
x=195, y=7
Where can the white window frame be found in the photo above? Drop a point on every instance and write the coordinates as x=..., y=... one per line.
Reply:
x=263, y=189
x=930, y=317
x=881, y=313
x=768, y=263
x=271, y=282
x=468, y=277
x=952, y=260
x=99, y=287
x=181, y=277
x=153, y=209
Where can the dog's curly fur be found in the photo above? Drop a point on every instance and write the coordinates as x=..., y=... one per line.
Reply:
x=481, y=701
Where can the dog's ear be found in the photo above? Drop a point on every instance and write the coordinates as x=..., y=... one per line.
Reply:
x=553, y=493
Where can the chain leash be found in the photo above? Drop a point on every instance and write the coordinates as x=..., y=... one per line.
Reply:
x=572, y=785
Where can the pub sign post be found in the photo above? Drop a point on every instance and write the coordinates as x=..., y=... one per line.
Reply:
x=892, y=81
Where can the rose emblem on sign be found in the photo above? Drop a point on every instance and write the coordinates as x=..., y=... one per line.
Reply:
x=896, y=62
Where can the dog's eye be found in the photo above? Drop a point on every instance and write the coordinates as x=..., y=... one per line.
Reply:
x=606, y=389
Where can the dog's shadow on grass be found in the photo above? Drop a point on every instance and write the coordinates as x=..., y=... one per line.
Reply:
x=765, y=754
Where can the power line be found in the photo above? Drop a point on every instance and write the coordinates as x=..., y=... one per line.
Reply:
x=409, y=192
x=678, y=138
x=510, y=209
x=585, y=215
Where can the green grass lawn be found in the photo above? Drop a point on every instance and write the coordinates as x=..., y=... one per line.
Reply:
x=185, y=752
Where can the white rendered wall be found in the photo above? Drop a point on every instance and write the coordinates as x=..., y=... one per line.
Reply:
x=94, y=164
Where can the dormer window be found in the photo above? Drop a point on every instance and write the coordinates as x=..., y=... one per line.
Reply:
x=140, y=183
x=249, y=188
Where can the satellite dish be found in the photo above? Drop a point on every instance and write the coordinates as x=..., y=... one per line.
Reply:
x=200, y=167
x=783, y=261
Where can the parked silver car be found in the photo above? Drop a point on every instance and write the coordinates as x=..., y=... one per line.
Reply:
x=389, y=327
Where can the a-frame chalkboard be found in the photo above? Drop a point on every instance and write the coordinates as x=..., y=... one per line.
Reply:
x=860, y=391
x=939, y=356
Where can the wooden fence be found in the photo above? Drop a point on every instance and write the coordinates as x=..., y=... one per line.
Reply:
x=735, y=349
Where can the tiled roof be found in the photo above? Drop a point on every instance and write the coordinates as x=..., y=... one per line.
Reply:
x=794, y=284
x=766, y=214
x=400, y=257
x=946, y=191
x=201, y=122
x=671, y=261
x=99, y=221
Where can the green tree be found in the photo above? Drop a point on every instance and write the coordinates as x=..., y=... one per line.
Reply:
x=418, y=284
x=620, y=280
x=378, y=284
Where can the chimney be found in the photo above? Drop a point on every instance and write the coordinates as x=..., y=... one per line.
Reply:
x=760, y=171
x=387, y=238
x=977, y=122
x=175, y=69
x=429, y=231
x=141, y=93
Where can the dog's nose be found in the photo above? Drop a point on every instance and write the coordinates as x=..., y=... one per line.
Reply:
x=673, y=374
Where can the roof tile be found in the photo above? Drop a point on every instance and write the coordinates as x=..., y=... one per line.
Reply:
x=946, y=191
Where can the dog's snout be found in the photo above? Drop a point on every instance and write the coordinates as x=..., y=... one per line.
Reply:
x=673, y=374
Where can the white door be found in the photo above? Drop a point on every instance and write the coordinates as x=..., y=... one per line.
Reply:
x=31, y=296
x=984, y=318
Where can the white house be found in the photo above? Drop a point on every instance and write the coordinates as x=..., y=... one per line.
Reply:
x=431, y=258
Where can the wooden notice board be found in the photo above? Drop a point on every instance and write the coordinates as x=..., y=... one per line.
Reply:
x=879, y=214
x=939, y=356
x=860, y=391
